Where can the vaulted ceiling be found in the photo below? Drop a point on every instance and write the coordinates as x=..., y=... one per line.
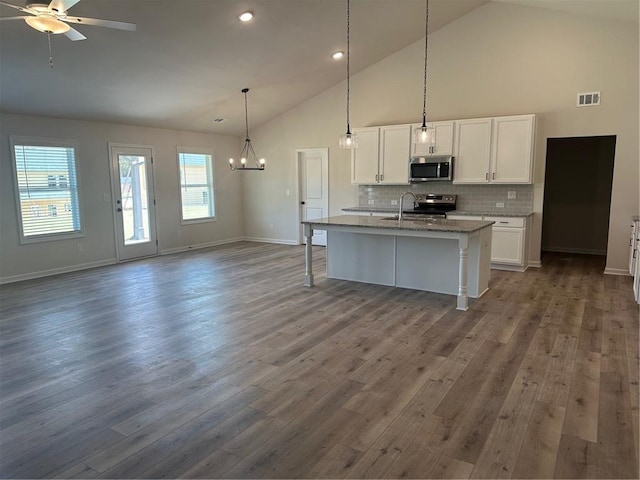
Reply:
x=187, y=61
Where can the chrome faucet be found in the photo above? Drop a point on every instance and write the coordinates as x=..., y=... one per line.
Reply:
x=401, y=199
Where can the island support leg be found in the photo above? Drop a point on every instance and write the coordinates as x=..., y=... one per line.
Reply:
x=308, y=256
x=463, y=303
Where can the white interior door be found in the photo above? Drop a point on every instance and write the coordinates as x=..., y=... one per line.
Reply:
x=133, y=201
x=313, y=171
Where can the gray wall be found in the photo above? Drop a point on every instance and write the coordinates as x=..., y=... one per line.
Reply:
x=23, y=261
x=500, y=59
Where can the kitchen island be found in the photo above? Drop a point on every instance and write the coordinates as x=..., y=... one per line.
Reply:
x=437, y=255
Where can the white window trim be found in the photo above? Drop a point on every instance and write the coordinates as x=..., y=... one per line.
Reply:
x=45, y=142
x=201, y=151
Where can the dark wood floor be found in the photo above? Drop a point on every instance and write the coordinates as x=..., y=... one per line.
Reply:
x=219, y=363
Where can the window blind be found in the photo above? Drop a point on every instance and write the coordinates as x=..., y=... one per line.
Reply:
x=47, y=189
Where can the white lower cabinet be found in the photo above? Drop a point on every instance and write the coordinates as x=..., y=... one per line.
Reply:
x=508, y=240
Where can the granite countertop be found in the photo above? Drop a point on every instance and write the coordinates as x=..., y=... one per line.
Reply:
x=430, y=225
x=393, y=211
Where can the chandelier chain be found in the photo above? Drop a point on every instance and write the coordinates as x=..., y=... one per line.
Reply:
x=426, y=45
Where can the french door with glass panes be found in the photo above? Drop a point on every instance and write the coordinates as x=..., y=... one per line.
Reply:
x=133, y=201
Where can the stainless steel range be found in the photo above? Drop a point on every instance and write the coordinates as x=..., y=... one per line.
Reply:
x=432, y=205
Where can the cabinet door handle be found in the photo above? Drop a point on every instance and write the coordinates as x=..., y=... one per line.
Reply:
x=486, y=176
x=376, y=177
x=494, y=176
x=381, y=177
x=503, y=221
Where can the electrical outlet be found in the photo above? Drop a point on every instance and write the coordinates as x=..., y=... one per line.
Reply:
x=500, y=204
x=371, y=202
x=394, y=202
x=511, y=194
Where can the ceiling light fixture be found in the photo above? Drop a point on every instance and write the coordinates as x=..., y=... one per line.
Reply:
x=425, y=134
x=348, y=140
x=246, y=16
x=247, y=152
x=47, y=24
x=337, y=55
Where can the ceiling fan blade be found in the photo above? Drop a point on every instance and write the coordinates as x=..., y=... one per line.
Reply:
x=14, y=18
x=62, y=5
x=102, y=23
x=22, y=9
x=74, y=35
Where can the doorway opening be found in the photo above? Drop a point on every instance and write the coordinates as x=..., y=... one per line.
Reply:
x=577, y=194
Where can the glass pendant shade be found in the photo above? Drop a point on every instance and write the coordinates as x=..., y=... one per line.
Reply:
x=425, y=135
x=348, y=140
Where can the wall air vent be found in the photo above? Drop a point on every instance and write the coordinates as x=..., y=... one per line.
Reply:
x=590, y=99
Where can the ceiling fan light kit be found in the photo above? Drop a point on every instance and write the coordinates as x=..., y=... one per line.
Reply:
x=53, y=18
x=47, y=24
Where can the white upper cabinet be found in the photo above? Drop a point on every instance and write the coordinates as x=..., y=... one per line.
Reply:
x=494, y=150
x=364, y=158
x=512, y=152
x=443, y=132
x=382, y=156
x=472, y=152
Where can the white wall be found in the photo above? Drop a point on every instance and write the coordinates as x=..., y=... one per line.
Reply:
x=23, y=261
x=500, y=59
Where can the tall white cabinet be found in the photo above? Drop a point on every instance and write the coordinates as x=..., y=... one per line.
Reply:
x=382, y=156
x=494, y=150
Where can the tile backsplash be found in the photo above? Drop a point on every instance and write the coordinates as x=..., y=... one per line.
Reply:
x=471, y=198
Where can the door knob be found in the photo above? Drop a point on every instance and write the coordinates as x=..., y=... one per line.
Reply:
x=302, y=203
x=119, y=209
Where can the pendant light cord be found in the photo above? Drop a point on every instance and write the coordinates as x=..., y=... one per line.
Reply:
x=426, y=45
x=348, y=63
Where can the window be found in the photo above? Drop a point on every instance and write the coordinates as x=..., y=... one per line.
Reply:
x=45, y=175
x=196, y=184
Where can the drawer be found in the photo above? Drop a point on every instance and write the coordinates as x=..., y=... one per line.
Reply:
x=516, y=222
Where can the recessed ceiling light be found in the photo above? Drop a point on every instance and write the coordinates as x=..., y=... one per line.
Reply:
x=246, y=16
x=337, y=55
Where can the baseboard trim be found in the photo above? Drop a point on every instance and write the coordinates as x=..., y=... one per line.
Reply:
x=187, y=248
x=57, y=271
x=535, y=264
x=617, y=271
x=270, y=240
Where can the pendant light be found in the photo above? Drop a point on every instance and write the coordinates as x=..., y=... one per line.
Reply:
x=348, y=140
x=425, y=134
x=247, y=153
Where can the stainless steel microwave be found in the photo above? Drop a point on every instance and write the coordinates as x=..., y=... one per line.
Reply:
x=430, y=169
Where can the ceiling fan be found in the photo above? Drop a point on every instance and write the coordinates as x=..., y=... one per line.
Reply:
x=53, y=18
